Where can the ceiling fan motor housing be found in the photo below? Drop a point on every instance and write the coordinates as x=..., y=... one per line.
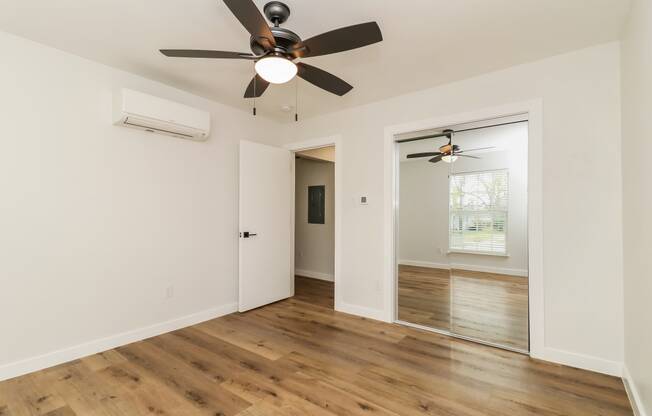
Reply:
x=277, y=13
x=285, y=38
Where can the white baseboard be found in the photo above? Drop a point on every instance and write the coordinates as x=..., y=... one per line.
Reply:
x=633, y=394
x=53, y=358
x=365, y=312
x=471, y=267
x=584, y=362
x=314, y=275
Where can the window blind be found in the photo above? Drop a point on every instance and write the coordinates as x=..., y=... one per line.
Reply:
x=478, y=212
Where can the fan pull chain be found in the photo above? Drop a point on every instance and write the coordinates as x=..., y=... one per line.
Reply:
x=296, y=100
x=255, y=79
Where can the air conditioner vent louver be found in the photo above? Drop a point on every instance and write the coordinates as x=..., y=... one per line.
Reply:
x=145, y=112
x=155, y=130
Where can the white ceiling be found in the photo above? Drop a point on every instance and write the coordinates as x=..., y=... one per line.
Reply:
x=427, y=42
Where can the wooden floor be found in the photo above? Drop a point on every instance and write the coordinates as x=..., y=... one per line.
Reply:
x=313, y=291
x=298, y=357
x=486, y=306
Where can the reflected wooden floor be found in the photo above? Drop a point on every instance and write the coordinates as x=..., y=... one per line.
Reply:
x=424, y=296
x=486, y=306
x=491, y=307
x=298, y=357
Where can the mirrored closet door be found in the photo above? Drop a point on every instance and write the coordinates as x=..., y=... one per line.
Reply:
x=462, y=232
x=424, y=283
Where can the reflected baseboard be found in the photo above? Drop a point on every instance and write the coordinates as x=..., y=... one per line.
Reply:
x=470, y=267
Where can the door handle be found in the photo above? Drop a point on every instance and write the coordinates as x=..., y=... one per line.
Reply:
x=247, y=234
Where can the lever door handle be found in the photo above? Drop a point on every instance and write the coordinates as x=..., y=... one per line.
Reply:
x=247, y=234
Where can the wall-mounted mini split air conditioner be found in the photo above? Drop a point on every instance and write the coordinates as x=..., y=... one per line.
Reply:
x=145, y=112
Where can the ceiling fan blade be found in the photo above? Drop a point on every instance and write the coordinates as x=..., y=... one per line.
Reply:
x=338, y=40
x=424, y=154
x=251, y=18
x=474, y=150
x=472, y=157
x=199, y=53
x=258, y=85
x=435, y=159
x=323, y=79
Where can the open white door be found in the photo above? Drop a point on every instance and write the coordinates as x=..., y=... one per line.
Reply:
x=266, y=225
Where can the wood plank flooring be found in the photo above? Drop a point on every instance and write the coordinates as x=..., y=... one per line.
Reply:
x=313, y=291
x=485, y=306
x=490, y=307
x=299, y=357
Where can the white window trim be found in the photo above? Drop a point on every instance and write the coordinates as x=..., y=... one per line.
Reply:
x=478, y=252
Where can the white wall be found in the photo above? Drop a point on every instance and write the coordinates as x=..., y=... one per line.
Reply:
x=314, y=244
x=98, y=221
x=423, y=206
x=581, y=188
x=637, y=199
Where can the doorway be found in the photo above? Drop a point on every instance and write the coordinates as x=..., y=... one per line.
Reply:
x=314, y=226
x=461, y=231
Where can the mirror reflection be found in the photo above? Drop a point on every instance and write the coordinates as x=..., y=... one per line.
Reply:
x=462, y=232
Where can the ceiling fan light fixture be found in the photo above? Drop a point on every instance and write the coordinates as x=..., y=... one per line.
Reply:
x=276, y=69
x=449, y=158
x=277, y=47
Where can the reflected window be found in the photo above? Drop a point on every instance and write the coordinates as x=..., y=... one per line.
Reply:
x=478, y=212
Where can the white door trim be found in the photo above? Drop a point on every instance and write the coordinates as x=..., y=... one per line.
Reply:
x=314, y=144
x=534, y=109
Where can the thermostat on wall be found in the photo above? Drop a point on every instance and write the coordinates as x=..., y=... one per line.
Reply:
x=363, y=200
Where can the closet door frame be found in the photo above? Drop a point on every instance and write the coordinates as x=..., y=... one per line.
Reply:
x=533, y=111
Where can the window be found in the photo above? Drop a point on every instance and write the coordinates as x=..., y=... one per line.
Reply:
x=478, y=212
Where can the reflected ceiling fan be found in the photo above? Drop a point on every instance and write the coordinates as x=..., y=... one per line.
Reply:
x=275, y=49
x=448, y=152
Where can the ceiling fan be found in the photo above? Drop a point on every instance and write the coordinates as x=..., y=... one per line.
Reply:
x=448, y=152
x=275, y=49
